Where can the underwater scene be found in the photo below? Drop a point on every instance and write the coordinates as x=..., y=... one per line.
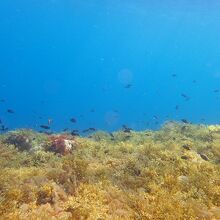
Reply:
x=109, y=110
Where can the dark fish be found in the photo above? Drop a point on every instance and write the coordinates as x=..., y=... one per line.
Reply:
x=73, y=120
x=2, y=100
x=126, y=129
x=11, y=111
x=174, y=75
x=0, y=121
x=89, y=129
x=204, y=157
x=128, y=86
x=155, y=117
x=186, y=97
x=3, y=128
x=92, y=110
x=73, y=133
x=46, y=132
x=194, y=81
x=65, y=129
x=45, y=127
x=75, y=130
x=185, y=121
x=202, y=119
x=216, y=91
x=177, y=107
x=111, y=135
x=92, y=129
x=186, y=147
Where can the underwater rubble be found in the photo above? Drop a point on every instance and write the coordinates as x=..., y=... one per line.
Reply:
x=172, y=173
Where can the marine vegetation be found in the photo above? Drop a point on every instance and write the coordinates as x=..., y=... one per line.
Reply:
x=172, y=173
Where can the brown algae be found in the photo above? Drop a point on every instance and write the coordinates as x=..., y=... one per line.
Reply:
x=172, y=173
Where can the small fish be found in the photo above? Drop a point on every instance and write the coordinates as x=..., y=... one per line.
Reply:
x=73, y=120
x=174, y=75
x=186, y=97
x=0, y=121
x=155, y=117
x=92, y=129
x=186, y=147
x=49, y=121
x=194, y=81
x=216, y=91
x=126, y=129
x=92, y=110
x=89, y=129
x=111, y=135
x=3, y=128
x=46, y=127
x=128, y=86
x=11, y=111
x=2, y=100
x=65, y=129
x=177, y=107
x=48, y=132
x=73, y=133
x=185, y=121
x=204, y=157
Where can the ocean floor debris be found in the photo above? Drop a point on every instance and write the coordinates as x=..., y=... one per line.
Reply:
x=172, y=173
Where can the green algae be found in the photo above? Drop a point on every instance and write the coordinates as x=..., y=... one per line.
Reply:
x=172, y=173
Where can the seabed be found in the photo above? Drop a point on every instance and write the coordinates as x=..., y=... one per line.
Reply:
x=169, y=174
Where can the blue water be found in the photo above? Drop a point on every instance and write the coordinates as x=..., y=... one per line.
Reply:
x=72, y=58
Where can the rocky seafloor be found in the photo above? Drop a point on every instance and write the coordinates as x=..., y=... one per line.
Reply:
x=169, y=174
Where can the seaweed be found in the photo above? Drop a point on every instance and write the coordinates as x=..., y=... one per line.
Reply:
x=172, y=173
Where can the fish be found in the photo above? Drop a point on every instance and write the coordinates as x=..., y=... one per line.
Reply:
x=111, y=135
x=11, y=111
x=3, y=128
x=46, y=127
x=46, y=132
x=174, y=75
x=89, y=129
x=2, y=100
x=92, y=129
x=185, y=121
x=155, y=117
x=73, y=133
x=186, y=97
x=65, y=129
x=126, y=129
x=73, y=120
x=49, y=121
x=128, y=86
x=216, y=91
x=177, y=107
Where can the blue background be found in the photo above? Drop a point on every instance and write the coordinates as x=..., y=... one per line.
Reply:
x=69, y=58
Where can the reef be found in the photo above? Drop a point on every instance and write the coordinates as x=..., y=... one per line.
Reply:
x=172, y=173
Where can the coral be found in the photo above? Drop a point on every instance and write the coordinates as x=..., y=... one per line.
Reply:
x=61, y=144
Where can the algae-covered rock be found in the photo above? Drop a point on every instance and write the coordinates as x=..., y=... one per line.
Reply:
x=172, y=173
x=25, y=140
